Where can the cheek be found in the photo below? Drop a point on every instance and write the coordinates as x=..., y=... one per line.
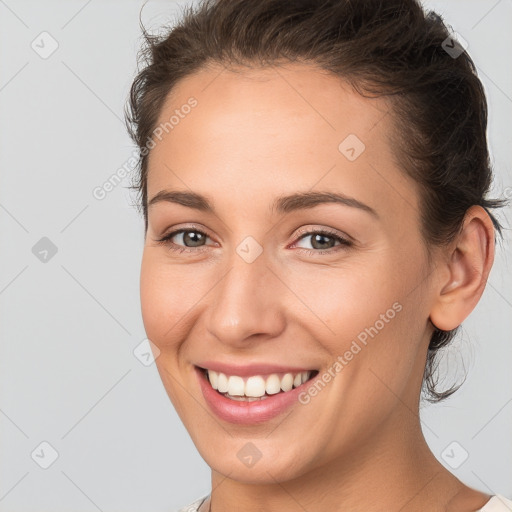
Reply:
x=350, y=298
x=390, y=332
x=167, y=296
x=151, y=295
x=368, y=311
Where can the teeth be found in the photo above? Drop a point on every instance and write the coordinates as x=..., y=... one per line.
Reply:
x=222, y=383
x=236, y=386
x=287, y=382
x=214, y=379
x=255, y=386
x=245, y=398
x=273, y=384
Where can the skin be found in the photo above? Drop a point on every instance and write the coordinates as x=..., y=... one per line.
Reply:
x=260, y=133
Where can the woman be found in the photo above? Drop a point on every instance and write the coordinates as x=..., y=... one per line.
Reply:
x=313, y=179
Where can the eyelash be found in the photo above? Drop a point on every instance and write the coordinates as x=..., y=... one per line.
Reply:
x=165, y=240
x=343, y=242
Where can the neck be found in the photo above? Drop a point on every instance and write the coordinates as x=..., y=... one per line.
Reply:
x=393, y=470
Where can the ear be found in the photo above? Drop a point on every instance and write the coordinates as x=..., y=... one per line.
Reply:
x=464, y=273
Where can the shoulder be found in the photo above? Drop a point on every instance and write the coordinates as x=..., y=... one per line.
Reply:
x=194, y=507
x=497, y=503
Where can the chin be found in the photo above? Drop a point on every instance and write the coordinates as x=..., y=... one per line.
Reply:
x=258, y=461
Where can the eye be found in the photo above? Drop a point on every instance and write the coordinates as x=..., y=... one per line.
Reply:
x=184, y=240
x=323, y=241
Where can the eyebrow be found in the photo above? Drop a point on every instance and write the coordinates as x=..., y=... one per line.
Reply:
x=282, y=204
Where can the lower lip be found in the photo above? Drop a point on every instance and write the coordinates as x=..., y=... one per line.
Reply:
x=247, y=413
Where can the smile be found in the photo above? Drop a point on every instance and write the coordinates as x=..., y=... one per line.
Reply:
x=250, y=399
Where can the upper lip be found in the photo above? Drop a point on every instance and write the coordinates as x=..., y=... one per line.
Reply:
x=251, y=369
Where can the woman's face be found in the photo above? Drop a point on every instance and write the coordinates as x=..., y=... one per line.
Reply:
x=262, y=292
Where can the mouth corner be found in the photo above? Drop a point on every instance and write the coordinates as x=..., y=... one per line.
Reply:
x=202, y=370
x=314, y=373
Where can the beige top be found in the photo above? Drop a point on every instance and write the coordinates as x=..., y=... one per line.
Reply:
x=497, y=503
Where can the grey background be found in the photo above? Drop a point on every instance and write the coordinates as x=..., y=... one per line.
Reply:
x=69, y=326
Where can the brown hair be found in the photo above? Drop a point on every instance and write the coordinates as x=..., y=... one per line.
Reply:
x=389, y=48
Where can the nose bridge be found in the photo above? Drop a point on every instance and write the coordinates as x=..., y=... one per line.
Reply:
x=245, y=301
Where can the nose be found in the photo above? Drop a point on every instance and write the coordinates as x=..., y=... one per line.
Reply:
x=246, y=304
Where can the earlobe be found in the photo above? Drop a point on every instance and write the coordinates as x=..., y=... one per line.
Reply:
x=467, y=269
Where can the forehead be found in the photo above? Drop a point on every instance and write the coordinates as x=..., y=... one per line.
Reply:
x=277, y=95
x=287, y=127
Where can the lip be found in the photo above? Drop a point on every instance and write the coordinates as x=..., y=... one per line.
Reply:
x=247, y=413
x=249, y=370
